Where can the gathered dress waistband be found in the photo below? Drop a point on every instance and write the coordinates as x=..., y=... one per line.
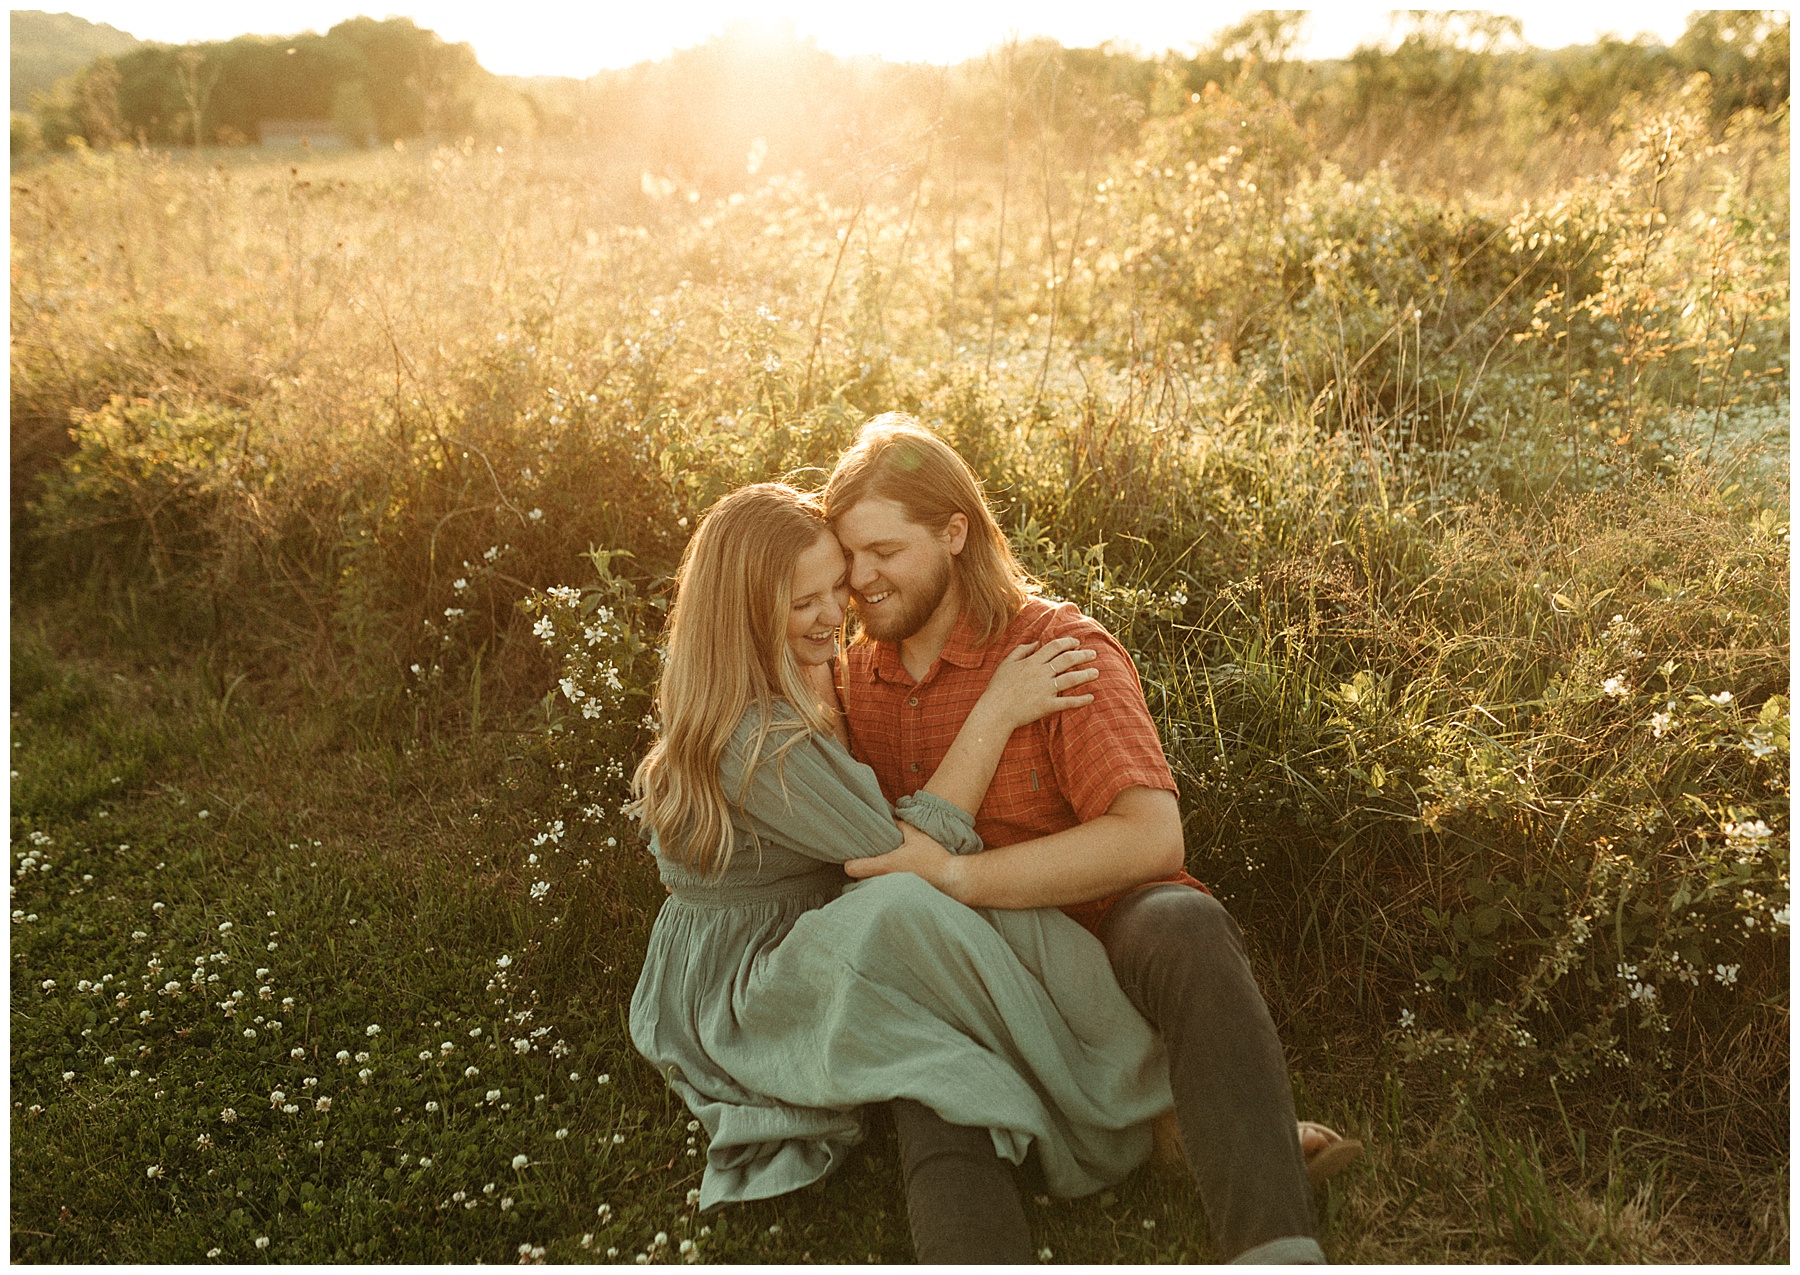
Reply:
x=829, y=880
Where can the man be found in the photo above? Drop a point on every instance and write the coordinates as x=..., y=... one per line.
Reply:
x=1081, y=815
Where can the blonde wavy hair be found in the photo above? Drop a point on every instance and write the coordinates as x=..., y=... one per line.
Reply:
x=896, y=458
x=727, y=654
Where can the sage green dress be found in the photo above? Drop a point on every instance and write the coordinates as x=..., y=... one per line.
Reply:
x=777, y=1000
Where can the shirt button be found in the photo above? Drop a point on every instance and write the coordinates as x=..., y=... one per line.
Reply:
x=914, y=701
x=915, y=768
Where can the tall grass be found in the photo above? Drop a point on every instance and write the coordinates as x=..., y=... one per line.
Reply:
x=1450, y=535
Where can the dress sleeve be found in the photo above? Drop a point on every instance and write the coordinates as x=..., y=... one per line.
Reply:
x=817, y=799
x=944, y=822
x=812, y=797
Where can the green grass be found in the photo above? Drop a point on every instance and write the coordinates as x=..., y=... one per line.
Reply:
x=376, y=884
x=1448, y=532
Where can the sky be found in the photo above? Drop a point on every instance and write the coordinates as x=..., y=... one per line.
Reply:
x=544, y=37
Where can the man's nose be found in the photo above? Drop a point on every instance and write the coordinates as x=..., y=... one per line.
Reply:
x=862, y=573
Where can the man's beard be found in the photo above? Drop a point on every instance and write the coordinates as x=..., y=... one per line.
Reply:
x=897, y=623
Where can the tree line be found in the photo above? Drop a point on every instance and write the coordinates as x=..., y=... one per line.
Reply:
x=704, y=114
x=374, y=81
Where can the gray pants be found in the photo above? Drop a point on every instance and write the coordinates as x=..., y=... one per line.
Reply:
x=1179, y=958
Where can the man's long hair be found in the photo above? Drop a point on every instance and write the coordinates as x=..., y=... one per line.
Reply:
x=727, y=653
x=895, y=458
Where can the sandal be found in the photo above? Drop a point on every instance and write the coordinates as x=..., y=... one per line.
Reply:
x=1331, y=1157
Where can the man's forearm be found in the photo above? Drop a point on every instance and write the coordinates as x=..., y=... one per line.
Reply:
x=1136, y=841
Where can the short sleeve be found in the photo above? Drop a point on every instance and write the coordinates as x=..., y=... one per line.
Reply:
x=1101, y=750
x=944, y=822
x=810, y=796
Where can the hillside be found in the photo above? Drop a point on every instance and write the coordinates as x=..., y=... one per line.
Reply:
x=48, y=46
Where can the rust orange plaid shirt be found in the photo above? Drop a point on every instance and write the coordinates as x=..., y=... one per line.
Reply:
x=1060, y=771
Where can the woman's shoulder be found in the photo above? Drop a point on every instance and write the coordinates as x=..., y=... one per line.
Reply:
x=763, y=732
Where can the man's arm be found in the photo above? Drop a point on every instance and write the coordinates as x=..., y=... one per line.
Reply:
x=1137, y=839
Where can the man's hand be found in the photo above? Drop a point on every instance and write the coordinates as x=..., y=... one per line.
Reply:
x=917, y=854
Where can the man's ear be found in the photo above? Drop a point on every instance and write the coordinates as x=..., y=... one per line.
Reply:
x=956, y=533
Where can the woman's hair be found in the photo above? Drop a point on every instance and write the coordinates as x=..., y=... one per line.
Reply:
x=727, y=653
x=895, y=458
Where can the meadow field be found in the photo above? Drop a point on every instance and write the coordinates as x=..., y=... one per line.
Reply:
x=1442, y=500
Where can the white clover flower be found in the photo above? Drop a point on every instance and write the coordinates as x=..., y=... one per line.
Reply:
x=425, y=1162
x=603, y=1079
x=291, y=1108
x=363, y=1075
x=688, y=1246
x=214, y=1251
x=459, y=584
x=1748, y=833
x=343, y=1056
x=618, y=1138
x=154, y=1171
x=262, y=1241
x=322, y=1104
x=362, y=1055
x=425, y=1055
x=493, y=1095
x=227, y=1115
x=469, y=1073
x=587, y=1240
x=311, y=1082
x=693, y=1197
x=536, y=515
x=520, y=1161
x=249, y=1033
x=298, y=1051
x=447, y=1048
x=431, y=1106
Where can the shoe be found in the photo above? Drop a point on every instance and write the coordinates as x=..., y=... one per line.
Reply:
x=1332, y=1156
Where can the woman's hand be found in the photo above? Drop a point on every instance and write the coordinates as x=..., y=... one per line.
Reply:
x=1030, y=683
x=918, y=854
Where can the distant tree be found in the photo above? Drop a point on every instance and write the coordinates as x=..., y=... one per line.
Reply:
x=1744, y=51
x=352, y=116
x=1586, y=84
x=26, y=137
x=97, y=102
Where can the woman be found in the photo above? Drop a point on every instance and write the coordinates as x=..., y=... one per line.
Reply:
x=776, y=1001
